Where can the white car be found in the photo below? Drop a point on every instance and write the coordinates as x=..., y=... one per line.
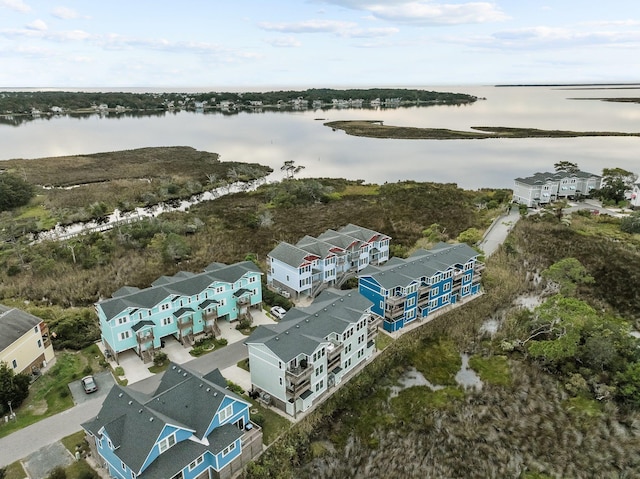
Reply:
x=278, y=312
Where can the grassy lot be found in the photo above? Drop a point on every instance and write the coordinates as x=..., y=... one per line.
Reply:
x=383, y=340
x=272, y=423
x=14, y=471
x=50, y=394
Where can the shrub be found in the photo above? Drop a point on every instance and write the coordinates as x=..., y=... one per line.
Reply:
x=87, y=370
x=258, y=419
x=57, y=473
x=159, y=358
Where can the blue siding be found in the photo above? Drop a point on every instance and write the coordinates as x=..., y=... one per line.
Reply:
x=370, y=289
x=240, y=410
x=223, y=461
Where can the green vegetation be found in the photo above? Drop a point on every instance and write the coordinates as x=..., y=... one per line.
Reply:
x=272, y=423
x=13, y=471
x=206, y=344
x=375, y=129
x=492, y=369
x=50, y=394
x=14, y=388
x=19, y=105
x=14, y=191
x=383, y=340
x=615, y=183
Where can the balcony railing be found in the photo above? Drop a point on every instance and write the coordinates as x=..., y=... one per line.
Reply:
x=144, y=338
x=298, y=373
x=184, y=323
x=334, y=349
x=294, y=390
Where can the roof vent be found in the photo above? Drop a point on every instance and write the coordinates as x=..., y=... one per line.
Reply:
x=120, y=395
x=200, y=385
x=130, y=403
x=150, y=419
x=173, y=367
x=215, y=394
x=208, y=389
x=139, y=411
x=184, y=375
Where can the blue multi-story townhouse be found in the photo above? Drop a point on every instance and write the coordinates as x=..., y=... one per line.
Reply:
x=295, y=362
x=404, y=290
x=312, y=264
x=183, y=306
x=190, y=427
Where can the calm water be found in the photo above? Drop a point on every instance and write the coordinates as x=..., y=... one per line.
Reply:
x=273, y=137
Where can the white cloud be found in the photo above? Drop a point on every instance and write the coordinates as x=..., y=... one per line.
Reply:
x=284, y=42
x=38, y=25
x=429, y=13
x=426, y=12
x=340, y=28
x=308, y=26
x=65, y=13
x=535, y=38
x=17, y=5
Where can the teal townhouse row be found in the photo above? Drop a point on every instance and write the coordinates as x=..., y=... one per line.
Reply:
x=183, y=306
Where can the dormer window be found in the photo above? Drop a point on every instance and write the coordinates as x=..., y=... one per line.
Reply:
x=225, y=413
x=167, y=442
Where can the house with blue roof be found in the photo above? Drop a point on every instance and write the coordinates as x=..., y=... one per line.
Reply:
x=312, y=264
x=406, y=290
x=183, y=306
x=190, y=427
x=295, y=362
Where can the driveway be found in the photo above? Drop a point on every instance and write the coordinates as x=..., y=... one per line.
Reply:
x=498, y=231
x=104, y=381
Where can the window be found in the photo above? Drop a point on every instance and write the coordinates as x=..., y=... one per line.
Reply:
x=196, y=463
x=124, y=335
x=166, y=443
x=123, y=465
x=123, y=320
x=14, y=363
x=164, y=307
x=133, y=475
x=411, y=302
x=252, y=279
x=167, y=321
x=140, y=315
x=228, y=449
x=225, y=413
x=39, y=343
x=35, y=330
x=446, y=287
x=222, y=302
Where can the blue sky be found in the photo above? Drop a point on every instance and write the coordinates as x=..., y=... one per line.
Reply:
x=239, y=44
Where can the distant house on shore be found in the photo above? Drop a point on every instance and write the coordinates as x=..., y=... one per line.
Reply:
x=544, y=188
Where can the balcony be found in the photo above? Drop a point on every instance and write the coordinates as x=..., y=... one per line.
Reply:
x=299, y=373
x=295, y=389
x=144, y=337
x=184, y=323
x=334, y=349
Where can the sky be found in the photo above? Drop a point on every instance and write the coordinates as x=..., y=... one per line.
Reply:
x=263, y=44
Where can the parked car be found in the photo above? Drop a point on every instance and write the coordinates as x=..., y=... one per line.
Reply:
x=89, y=384
x=278, y=311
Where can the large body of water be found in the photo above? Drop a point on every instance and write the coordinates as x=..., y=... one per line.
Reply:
x=271, y=137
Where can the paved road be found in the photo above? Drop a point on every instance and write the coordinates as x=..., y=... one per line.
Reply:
x=26, y=441
x=498, y=231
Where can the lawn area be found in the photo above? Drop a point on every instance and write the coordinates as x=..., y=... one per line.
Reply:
x=272, y=423
x=14, y=471
x=383, y=340
x=49, y=394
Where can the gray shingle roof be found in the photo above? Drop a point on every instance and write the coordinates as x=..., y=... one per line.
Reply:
x=542, y=178
x=421, y=263
x=303, y=329
x=289, y=254
x=134, y=421
x=316, y=246
x=361, y=233
x=14, y=323
x=339, y=239
x=188, y=285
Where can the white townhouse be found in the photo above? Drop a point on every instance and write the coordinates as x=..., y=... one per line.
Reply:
x=634, y=200
x=312, y=264
x=295, y=362
x=543, y=188
x=183, y=306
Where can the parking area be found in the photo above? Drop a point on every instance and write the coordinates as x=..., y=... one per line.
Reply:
x=44, y=460
x=104, y=380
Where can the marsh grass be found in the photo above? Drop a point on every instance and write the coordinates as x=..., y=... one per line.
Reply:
x=492, y=369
